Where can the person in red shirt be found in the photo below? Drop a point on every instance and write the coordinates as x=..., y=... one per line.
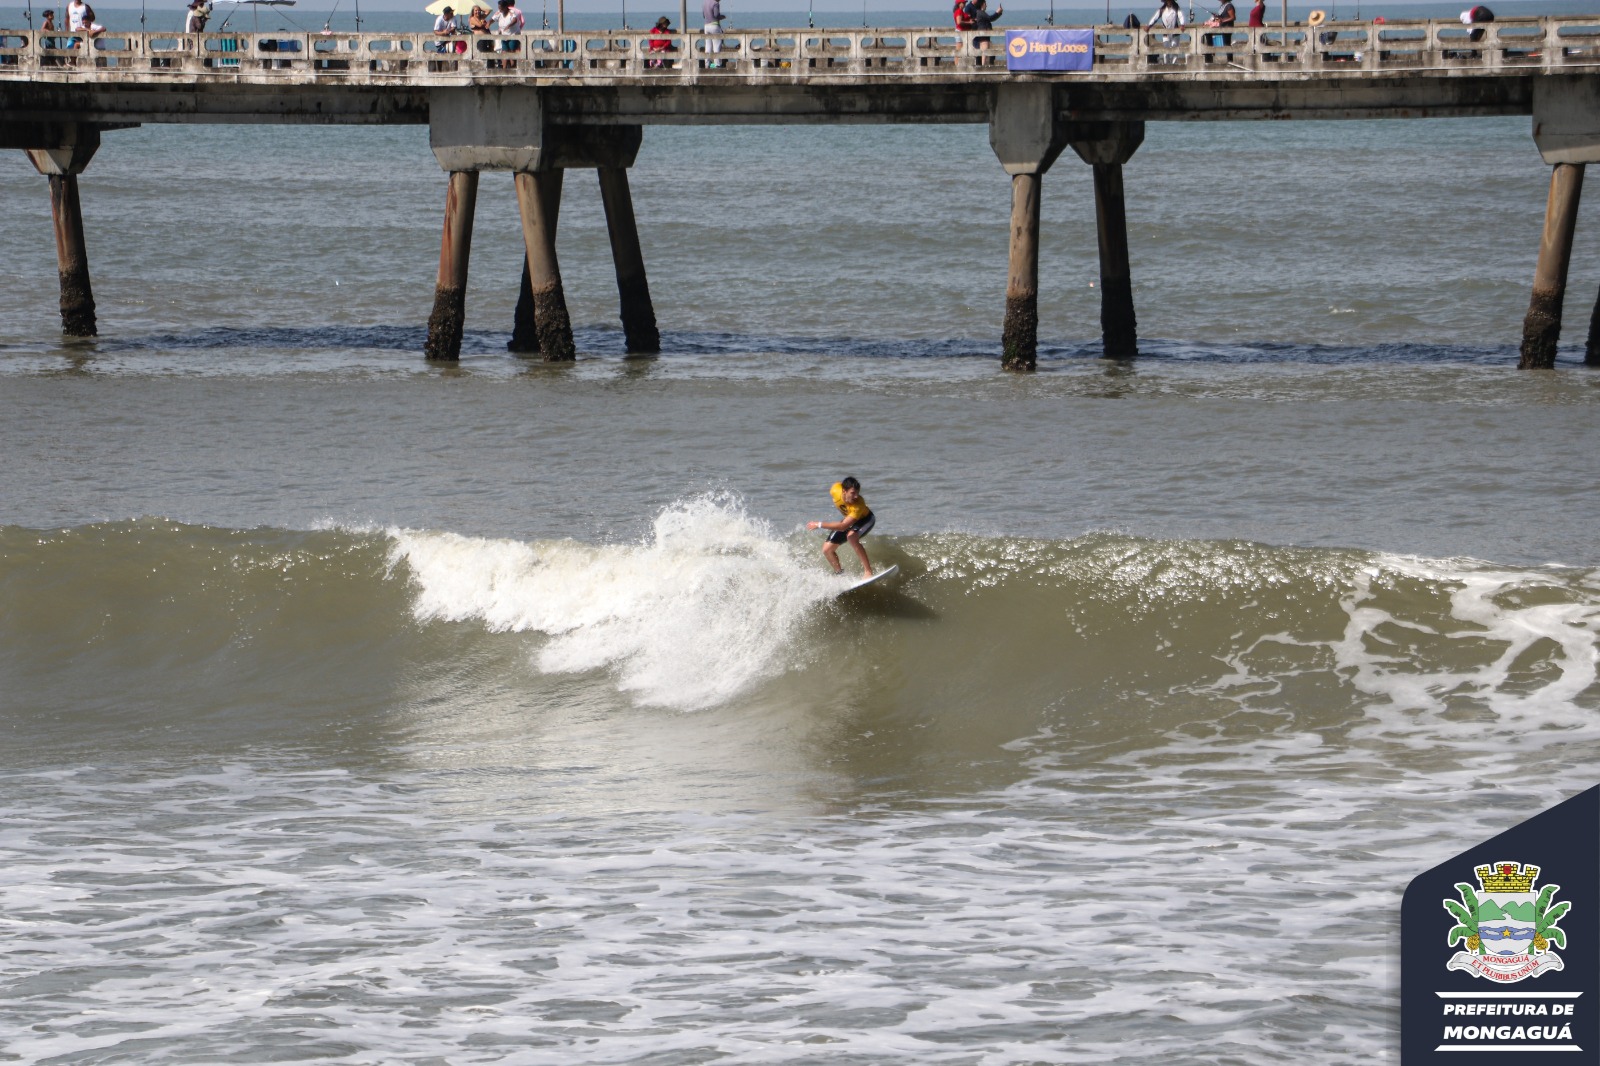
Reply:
x=660, y=40
x=1258, y=14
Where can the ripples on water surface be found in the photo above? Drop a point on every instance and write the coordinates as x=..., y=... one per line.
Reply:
x=359, y=710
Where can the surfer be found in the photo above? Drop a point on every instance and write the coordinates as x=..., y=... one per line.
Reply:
x=857, y=522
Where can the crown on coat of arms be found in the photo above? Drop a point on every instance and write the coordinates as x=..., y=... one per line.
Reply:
x=1507, y=877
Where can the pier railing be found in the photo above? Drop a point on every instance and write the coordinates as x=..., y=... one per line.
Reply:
x=1510, y=46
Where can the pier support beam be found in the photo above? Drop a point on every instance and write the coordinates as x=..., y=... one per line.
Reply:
x=1591, y=349
x=536, y=192
x=525, y=321
x=1566, y=129
x=633, y=288
x=1027, y=134
x=1119, y=328
x=1541, y=329
x=1019, y=337
x=62, y=165
x=455, y=250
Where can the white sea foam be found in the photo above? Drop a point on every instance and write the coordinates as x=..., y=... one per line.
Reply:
x=697, y=614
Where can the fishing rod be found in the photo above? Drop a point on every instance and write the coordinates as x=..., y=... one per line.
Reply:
x=327, y=27
x=811, y=22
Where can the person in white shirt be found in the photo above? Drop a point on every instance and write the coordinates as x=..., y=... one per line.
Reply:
x=80, y=19
x=1169, y=16
x=508, y=19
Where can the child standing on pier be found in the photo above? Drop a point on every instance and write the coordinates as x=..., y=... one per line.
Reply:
x=857, y=522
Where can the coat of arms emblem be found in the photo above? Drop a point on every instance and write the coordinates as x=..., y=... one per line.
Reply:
x=1505, y=927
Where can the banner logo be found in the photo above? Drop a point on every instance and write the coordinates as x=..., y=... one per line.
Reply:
x=1507, y=930
x=1050, y=50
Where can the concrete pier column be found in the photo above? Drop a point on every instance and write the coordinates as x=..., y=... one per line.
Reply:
x=536, y=192
x=1019, y=338
x=638, y=313
x=1112, y=145
x=455, y=250
x=1541, y=329
x=525, y=322
x=1119, y=327
x=62, y=166
x=1027, y=134
x=1591, y=349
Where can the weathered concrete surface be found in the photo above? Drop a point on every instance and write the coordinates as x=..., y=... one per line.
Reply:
x=455, y=252
x=1019, y=337
x=62, y=161
x=129, y=101
x=1566, y=119
x=1113, y=145
x=505, y=128
x=72, y=258
x=1026, y=128
x=525, y=321
x=1541, y=330
x=633, y=287
x=961, y=99
x=534, y=192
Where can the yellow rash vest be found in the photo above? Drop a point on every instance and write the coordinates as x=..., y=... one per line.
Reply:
x=853, y=511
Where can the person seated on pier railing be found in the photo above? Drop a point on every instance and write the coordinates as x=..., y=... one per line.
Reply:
x=1169, y=16
x=660, y=41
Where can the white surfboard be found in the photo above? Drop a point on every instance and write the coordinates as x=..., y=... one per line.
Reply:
x=873, y=580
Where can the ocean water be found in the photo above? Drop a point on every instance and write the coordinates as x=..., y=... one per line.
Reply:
x=362, y=710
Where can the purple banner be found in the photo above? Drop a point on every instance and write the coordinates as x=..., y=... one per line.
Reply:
x=1049, y=49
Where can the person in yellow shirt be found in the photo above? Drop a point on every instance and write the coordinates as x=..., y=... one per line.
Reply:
x=857, y=522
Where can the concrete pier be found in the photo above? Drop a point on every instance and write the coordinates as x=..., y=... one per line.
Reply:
x=455, y=250
x=1541, y=329
x=62, y=165
x=1027, y=133
x=1119, y=328
x=525, y=321
x=536, y=193
x=536, y=116
x=1019, y=336
x=633, y=288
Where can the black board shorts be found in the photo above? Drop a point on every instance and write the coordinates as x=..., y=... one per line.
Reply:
x=860, y=529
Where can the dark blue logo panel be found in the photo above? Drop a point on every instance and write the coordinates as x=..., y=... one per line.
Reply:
x=1500, y=947
x=1049, y=49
